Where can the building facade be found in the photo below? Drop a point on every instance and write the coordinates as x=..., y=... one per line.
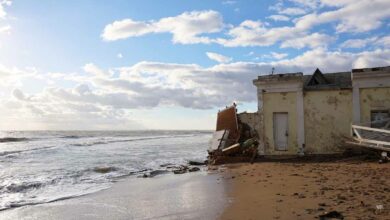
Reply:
x=311, y=114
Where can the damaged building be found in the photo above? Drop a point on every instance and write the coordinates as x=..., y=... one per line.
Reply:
x=311, y=114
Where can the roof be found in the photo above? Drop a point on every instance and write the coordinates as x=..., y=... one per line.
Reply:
x=325, y=81
x=367, y=73
x=278, y=77
x=372, y=69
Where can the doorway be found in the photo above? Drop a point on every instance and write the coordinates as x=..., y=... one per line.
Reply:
x=281, y=131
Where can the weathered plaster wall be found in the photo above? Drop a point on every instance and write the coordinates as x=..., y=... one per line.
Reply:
x=252, y=120
x=280, y=102
x=328, y=116
x=373, y=99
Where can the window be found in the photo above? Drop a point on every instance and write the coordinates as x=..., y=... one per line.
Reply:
x=378, y=118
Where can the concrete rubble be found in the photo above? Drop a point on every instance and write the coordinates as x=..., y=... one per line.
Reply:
x=234, y=140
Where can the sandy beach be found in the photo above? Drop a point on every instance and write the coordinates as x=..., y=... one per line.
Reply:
x=274, y=190
x=186, y=196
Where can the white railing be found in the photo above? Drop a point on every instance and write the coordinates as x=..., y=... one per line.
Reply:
x=373, y=137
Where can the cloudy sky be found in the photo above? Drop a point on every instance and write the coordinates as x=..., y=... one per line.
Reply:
x=154, y=64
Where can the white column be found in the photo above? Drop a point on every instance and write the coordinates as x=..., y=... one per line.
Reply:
x=261, y=149
x=259, y=98
x=356, y=104
x=300, y=122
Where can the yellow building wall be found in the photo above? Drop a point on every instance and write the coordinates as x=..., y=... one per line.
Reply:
x=328, y=116
x=373, y=99
x=280, y=102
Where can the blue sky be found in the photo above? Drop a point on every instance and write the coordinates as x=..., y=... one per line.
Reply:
x=169, y=64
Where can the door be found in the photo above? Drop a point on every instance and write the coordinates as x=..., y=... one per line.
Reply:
x=281, y=131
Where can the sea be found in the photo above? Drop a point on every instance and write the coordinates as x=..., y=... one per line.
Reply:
x=45, y=166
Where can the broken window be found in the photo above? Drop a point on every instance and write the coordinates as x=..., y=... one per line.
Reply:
x=379, y=118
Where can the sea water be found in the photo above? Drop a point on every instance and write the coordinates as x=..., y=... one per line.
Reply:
x=45, y=166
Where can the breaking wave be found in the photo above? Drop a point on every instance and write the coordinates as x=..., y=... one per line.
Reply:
x=71, y=136
x=33, y=175
x=22, y=187
x=5, y=153
x=128, y=140
x=13, y=139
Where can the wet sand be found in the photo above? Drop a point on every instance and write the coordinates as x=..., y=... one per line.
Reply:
x=187, y=196
x=272, y=190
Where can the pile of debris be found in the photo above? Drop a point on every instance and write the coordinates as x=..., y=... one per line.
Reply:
x=233, y=141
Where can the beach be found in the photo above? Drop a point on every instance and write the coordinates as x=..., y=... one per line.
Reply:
x=263, y=190
x=306, y=190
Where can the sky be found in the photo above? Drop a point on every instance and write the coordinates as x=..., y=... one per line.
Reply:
x=154, y=64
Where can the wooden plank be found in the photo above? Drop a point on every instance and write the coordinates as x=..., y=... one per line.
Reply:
x=227, y=120
x=219, y=137
x=231, y=149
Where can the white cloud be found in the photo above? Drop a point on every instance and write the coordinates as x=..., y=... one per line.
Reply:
x=311, y=4
x=384, y=42
x=152, y=84
x=186, y=28
x=218, y=57
x=300, y=7
x=4, y=3
x=102, y=99
x=357, y=43
x=255, y=33
x=18, y=94
x=314, y=40
x=194, y=27
x=279, y=55
x=340, y=61
x=94, y=70
x=272, y=55
x=2, y=12
x=372, y=41
x=11, y=76
x=5, y=29
x=352, y=16
x=126, y=28
x=347, y=15
x=375, y=58
x=279, y=18
x=292, y=11
x=119, y=55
